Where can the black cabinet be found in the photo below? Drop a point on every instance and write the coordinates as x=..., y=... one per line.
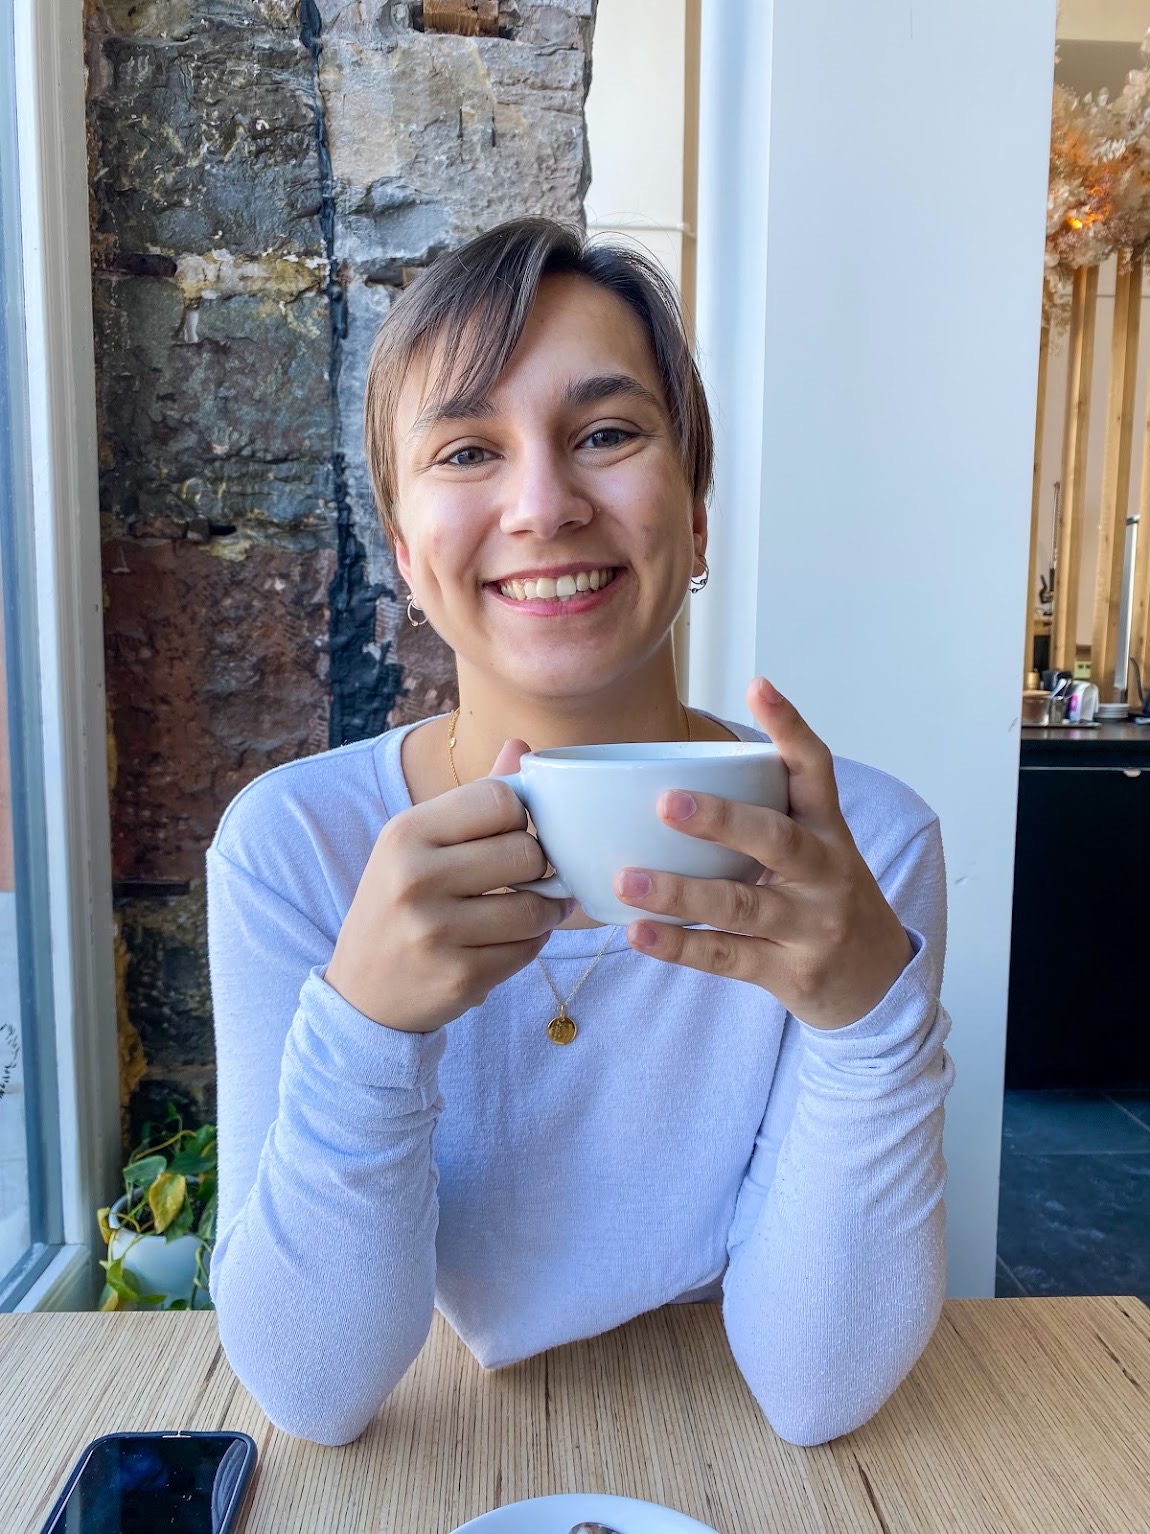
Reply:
x=1079, y=1006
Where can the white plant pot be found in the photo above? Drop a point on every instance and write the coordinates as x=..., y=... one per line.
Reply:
x=157, y=1265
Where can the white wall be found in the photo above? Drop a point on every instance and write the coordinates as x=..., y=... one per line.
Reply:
x=635, y=126
x=872, y=207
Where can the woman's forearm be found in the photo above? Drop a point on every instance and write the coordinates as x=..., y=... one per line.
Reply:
x=837, y=1284
x=324, y=1278
x=323, y=1272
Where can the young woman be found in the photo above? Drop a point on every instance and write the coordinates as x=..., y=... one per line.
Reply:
x=751, y=1106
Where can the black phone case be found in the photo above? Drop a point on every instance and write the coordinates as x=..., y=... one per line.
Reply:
x=232, y=1495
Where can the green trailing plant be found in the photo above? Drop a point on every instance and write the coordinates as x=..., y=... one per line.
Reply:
x=170, y=1183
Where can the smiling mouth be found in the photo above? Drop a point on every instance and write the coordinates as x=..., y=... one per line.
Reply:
x=564, y=588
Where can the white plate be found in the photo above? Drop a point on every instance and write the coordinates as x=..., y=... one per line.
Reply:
x=557, y=1515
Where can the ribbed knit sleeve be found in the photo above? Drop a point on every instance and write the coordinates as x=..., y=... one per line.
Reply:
x=837, y=1251
x=324, y=1268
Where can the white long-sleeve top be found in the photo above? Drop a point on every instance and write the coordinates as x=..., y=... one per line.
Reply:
x=695, y=1139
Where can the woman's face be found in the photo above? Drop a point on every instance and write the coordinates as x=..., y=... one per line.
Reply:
x=568, y=468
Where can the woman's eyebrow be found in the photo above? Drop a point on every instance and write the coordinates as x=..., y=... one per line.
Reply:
x=461, y=407
x=602, y=386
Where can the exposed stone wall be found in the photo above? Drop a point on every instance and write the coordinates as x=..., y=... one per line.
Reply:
x=266, y=176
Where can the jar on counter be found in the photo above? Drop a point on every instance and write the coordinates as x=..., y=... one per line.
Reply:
x=1040, y=707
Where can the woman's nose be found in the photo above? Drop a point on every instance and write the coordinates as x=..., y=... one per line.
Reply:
x=543, y=499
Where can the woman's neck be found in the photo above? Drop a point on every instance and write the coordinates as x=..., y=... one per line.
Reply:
x=645, y=706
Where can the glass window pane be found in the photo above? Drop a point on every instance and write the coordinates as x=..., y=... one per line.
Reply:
x=30, y=1205
x=15, y=1228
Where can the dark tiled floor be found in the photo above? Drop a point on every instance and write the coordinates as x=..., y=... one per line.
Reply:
x=1074, y=1209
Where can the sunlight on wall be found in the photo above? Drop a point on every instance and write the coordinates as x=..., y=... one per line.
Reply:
x=635, y=126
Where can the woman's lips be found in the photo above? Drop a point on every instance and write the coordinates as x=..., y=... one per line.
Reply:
x=562, y=607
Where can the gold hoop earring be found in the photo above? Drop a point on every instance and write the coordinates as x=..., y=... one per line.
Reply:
x=699, y=581
x=416, y=623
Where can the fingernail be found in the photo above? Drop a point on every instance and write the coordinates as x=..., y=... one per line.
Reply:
x=633, y=882
x=768, y=692
x=568, y=908
x=678, y=805
x=643, y=934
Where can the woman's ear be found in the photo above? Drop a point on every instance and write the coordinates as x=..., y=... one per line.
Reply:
x=699, y=528
x=403, y=561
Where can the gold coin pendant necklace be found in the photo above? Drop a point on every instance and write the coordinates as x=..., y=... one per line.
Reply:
x=561, y=1029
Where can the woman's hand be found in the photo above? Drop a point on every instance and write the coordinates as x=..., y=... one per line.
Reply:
x=424, y=938
x=816, y=931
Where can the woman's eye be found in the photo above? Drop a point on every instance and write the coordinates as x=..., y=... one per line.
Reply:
x=608, y=436
x=466, y=457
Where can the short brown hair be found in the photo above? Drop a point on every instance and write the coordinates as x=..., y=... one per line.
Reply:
x=473, y=304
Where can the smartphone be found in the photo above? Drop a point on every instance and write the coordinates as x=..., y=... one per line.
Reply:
x=156, y=1483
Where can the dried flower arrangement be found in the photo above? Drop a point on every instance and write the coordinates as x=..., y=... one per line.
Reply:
x=1099, y=196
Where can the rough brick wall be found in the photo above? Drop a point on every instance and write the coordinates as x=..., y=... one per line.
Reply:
x=266, y=175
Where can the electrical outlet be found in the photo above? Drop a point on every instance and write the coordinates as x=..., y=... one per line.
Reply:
x=1081, y=670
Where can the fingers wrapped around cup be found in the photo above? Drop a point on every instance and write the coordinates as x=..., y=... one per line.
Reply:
x=738, y=911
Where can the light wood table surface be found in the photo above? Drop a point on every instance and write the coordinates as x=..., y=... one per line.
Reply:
x=1027, y=1416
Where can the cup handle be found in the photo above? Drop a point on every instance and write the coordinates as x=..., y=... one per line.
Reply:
x=553, y=886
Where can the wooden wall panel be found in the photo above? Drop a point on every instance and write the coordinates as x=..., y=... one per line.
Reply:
x=1116, y=476
x=1035, y=492
x=1063, y=646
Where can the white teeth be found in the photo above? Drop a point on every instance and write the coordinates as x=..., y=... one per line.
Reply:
x=565, y=587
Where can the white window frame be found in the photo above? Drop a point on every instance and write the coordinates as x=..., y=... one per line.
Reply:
x=734, y=138
x=52, y=159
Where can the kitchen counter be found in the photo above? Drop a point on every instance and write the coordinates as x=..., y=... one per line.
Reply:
x=1112, y=744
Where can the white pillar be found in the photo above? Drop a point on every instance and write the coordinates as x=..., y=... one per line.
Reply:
x=872, y=207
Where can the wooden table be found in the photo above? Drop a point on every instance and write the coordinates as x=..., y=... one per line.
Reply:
x=1023, y=1417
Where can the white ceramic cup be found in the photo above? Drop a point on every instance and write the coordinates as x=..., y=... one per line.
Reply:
x=595, y=811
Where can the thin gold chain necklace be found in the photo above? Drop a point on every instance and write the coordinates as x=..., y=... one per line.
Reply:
x=561, y=1029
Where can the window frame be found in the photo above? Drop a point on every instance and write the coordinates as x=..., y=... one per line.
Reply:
x=61, y=627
